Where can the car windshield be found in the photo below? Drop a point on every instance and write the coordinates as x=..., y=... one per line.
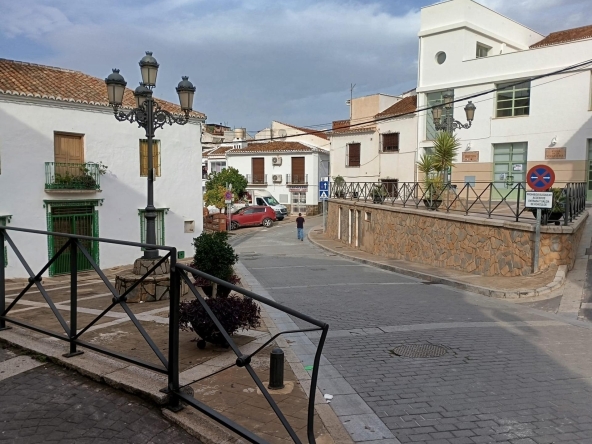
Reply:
x=271, y=201
x=237, y=210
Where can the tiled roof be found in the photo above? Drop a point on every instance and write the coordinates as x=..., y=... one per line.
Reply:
x=355, y=129
x=568, y=35
x=338, y=124
x=220, y=151
x=64, y=85
x=403, y=106
x=307, y=131
x=273, y=147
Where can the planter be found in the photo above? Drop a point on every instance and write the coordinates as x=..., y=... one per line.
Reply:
x=222, y=291
x=548, y=216
x=377, y=199
x=432, y=204
x=213, y=338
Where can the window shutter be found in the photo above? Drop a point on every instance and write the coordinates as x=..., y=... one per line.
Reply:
x=390, y=142
x=298, y=170
x=354, y=154
x=144, y=157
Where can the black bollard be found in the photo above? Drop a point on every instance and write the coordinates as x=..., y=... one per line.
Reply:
x=276, y=369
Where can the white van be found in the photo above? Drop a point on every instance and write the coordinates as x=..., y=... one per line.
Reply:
x=265, y=198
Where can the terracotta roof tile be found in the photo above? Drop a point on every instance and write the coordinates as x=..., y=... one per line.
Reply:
x=307, y=131
x=355, y=129
x=339, y=124
x=403, y=106
x=220, y=151
x=273, y=147
x=48, y=82
x=568, y=35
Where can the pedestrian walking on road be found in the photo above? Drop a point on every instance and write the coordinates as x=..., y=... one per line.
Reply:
x=300, y=227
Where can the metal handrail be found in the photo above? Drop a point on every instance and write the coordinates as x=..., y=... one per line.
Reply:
x=72, y=176
x=501, y=199
x=257, y=179
x=295, y=179
x=169, y=365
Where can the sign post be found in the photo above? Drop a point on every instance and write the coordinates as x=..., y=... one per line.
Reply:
x=323, y=196
x=540, y=178
x=228, y=202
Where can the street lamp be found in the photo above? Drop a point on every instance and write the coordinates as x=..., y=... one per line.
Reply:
x=149, y=115
x=446, y=122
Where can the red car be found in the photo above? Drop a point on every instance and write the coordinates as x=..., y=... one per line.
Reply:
x=253, y=216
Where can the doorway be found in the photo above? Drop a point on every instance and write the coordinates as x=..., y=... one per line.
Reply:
x=83, y=220
x=299, y=202
x=509, y=167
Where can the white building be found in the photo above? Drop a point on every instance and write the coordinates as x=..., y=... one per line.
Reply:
x=55, y=128
x=285, y=132
x=289, y=170
x=381, y=144
x=466, y=48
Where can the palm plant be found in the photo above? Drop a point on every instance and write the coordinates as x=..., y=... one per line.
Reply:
x=435, y=165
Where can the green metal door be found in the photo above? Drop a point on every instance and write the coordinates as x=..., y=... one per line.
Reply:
x=509, y=168
x=72, y=220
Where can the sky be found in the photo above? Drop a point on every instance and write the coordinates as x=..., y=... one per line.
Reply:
x=252, y=61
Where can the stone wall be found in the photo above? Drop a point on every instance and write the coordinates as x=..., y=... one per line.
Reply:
x=481, y=246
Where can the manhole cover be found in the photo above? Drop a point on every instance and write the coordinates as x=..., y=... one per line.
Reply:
x=419, y=351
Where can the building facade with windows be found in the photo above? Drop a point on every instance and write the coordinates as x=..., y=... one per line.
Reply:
x=68, y=166
x=465, y=49
x=380, y=143
x=290, y=171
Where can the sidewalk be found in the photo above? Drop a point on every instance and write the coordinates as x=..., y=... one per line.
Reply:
x=539, y=285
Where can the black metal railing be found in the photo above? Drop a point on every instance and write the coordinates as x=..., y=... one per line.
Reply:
x=499, y=199
x=296, y=179
x=72, y=176
x=257, y=179
x=169, y=365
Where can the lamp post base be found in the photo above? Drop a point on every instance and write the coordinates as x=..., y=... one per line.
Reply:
x=155, y=287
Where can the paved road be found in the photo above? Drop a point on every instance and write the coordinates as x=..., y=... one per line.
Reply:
x=48, y=404
x=510, y=374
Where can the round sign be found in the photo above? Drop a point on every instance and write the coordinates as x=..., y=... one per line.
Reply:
x=228, y=195
x=540, y=177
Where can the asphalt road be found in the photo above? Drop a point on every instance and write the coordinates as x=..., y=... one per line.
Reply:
x=508, y=373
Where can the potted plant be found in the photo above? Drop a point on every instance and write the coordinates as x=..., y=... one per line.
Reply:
x=436, y=165
x=339, y=184
x=233, y=312
x=378, y=194
x=555, y=213
x=214, y=256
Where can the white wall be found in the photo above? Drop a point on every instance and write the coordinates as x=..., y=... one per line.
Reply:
x=27, y=142
x=399, y=165
x=368, y=169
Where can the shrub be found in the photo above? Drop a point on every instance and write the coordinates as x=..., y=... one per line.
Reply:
x=214, y=255
x=234, y=313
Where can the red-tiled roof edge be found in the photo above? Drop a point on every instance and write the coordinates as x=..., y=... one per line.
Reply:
x=285, y=147
x=404, y=106
x=310, y=131
x=565, y=36
x=57, y=97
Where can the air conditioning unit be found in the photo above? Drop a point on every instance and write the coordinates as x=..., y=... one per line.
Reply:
x=276, y=177
x=276, y=160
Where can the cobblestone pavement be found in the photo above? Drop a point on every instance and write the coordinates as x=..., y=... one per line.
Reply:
x=49, y=404
x=510, y=374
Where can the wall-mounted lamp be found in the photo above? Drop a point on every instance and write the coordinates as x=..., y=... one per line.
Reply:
x=468, y=148
x=554, y=141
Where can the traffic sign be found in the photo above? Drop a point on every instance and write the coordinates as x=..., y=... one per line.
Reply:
x=228, y=197
x=539, y=200
x=324, y=185
x=323, y=195
x=540, y=177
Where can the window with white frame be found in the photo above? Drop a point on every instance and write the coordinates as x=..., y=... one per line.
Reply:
x=482, y=50
x=436, y=98
x=513, y=99
x=217, y=166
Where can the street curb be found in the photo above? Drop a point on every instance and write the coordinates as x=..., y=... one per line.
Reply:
x=557, y=282
x=121, y=376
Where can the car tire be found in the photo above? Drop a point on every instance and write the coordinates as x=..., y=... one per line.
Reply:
x=280, y=218
x=234, y=225
x=267, y=222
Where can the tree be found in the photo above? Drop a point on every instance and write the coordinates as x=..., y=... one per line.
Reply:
x=216, y=196
x=446, y=146
x=227, y=176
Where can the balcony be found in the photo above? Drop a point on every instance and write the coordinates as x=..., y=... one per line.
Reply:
x=257, y=179
x=295, y=179
x=72, y=177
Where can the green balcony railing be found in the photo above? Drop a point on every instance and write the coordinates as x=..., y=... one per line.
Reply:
x=72, y=176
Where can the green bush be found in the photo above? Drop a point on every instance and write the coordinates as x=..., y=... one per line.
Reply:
x=214, y=255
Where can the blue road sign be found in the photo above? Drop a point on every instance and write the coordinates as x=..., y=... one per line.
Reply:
x=324, y=185
x=540, y=177
x=323, y=195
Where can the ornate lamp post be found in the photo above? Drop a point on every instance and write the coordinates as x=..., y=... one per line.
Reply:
x=446, y=122
x=149, y=115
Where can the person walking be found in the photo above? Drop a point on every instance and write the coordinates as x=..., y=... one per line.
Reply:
x=300, y=227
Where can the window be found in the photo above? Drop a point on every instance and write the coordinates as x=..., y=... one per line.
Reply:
x=391, y=186
x=144, y=157
x=217, y=166
x=258, y=169
x=482, y=50
x=298, y=171
x=513, y=100
x=436, y=98
x=352, y=155
x=390, y=143
x=160, y=212
x=440, y=57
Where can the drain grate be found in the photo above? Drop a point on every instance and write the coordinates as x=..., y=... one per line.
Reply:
x=419, y=351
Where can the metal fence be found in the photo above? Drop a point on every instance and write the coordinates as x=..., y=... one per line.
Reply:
x=296, y=179
x=72, y=176
x=257, y=179
x=499, y=199
x=75, y=245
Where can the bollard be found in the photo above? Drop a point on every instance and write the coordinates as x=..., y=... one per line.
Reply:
x=276, y=369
